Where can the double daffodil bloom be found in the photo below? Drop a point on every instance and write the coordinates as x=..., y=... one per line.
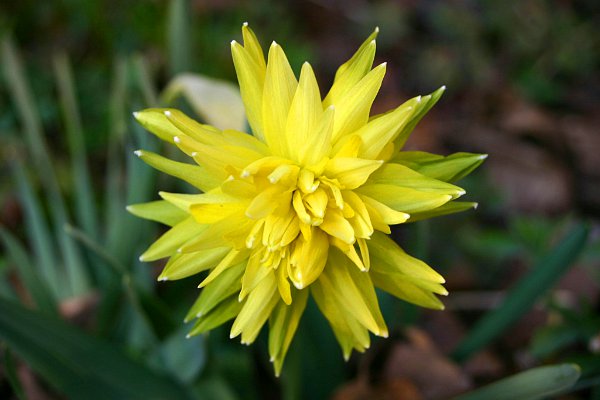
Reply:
x=302, y=206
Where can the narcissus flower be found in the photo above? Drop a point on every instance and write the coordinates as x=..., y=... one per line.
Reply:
x=302, y=206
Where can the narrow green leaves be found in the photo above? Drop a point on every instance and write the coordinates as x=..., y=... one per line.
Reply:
x=78, y=365
x=524, y=294
x=534, y=384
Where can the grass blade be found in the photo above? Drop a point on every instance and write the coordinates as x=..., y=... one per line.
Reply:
x=39, y=236
x=145, y=82
x=114, y=196
x=36, y=287
x=80, y=366
x=75, y=273
x=84, y=202
x=536, y=383
x=179, y=35
x=10, y=371
x=524, y=294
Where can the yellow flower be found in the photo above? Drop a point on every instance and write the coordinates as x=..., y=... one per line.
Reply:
x=303, y=205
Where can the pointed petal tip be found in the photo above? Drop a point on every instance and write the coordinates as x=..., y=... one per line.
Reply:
x=176, y=139
x=167, y=113
x=377, y=29
x=141, y=258
x=138, y=153
x=162, y=279
x=475, y=206
x=188, y=336
x=483, y=156
x=274, y=44
x=194, y=153
x=136, y=114
x=245, y=24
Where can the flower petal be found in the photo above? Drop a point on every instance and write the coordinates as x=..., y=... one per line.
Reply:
x=304, y=114
x=352, y=71
x=352, y=110
x=448, y=169
x=192, y=174
x=282, y=326
x=251, y=77
x=160, y=211
x=280, y=86
x=404, y=199
x=351, y=172
x=224, y=286
x=257, y=308
x=168, y=243
x=183, y=265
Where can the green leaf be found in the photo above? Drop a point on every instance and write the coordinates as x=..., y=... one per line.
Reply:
x=84, y=200
x=536, y=383
x=182, y=357
x=10, y=371
x=38, y=232
x=523, y=295
x=75, y=275
x=36, y=286
x=179, y=36
x=78, y=365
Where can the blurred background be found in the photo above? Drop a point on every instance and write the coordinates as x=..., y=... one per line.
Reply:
x=81, y=317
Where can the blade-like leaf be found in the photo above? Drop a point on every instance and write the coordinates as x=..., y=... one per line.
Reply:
x=39, y=237
x=523, y=295
x=179, y=34
x=75, y=275
x=37, y=288
x=536, y=383
x=80, y=366
x=84, y=202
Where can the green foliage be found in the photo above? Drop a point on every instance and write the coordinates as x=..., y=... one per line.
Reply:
x=522, y=296
x=534, y=384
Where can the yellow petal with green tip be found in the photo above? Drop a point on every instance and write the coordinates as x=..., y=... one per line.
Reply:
x=155, y=120
x=193, y=174
x=352, y=110
x=224, y=286
x=404, y=199
x=448, y=169
x=392, y=259
x=282, y=326
x=170, y=241
x=399, y=175
x=183, y=265
x=257, y=308
x=160, y=211
x=226, y=310
x=352, y=71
